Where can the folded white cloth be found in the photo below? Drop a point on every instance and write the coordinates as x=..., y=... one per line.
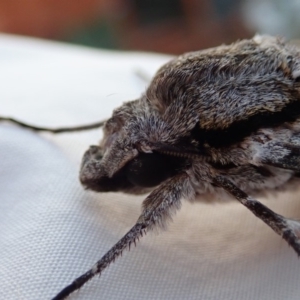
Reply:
x=52, y=230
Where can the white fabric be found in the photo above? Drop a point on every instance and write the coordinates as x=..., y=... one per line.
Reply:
x=51, y=230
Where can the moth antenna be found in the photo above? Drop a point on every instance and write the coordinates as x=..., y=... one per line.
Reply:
x=143, y=76
x=287, y=228
x=54, y=130
x=156, y=207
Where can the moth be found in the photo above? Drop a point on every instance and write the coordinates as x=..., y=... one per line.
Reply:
x=225, y=119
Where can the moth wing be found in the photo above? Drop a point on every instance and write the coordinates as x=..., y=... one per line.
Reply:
x=228, y=85
x=289, y=157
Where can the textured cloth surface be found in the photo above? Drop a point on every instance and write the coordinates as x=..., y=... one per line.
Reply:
x=51, y=230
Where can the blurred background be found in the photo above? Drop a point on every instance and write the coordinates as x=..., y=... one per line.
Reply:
x=169, y=26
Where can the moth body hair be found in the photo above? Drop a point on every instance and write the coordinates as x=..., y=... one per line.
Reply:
x=215, y=121
x=221, y=119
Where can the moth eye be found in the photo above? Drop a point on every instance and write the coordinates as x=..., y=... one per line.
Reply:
x=151, y=169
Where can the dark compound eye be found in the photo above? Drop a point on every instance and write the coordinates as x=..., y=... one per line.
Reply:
x=146, y=170
x=151, y=169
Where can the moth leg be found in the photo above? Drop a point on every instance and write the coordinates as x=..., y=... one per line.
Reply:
x=157, y=207
x=287, y=228
x=53, y=130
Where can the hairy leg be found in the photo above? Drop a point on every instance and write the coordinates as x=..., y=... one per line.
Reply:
x=287, y=228
x=157, y=209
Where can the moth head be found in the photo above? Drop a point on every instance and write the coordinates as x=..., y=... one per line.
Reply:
x=120, y=163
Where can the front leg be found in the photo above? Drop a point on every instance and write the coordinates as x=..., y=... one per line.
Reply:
x=157, y=208
x=287, y=228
